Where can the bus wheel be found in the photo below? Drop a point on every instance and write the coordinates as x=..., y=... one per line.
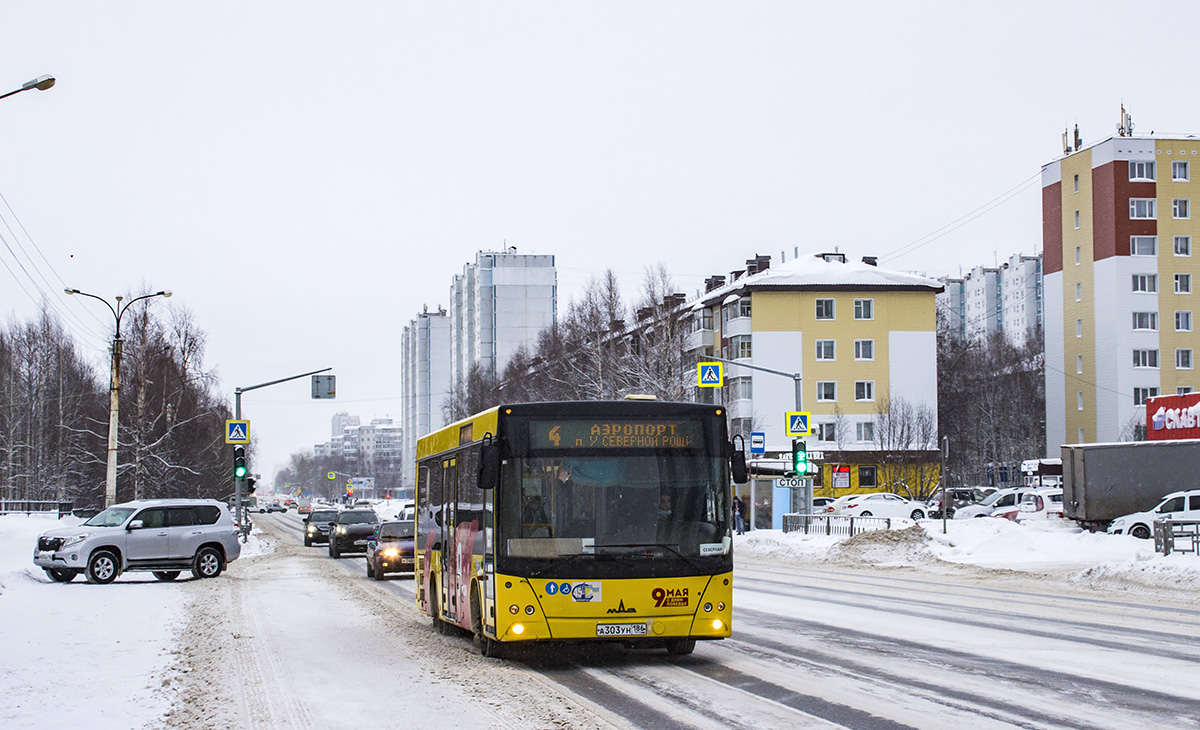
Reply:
x=438, y=624
x=488, y=647
x=679, y=647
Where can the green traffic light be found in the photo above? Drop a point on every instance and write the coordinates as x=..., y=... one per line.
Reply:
x=799, y=457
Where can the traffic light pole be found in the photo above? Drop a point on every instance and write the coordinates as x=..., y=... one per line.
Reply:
x=240, y=482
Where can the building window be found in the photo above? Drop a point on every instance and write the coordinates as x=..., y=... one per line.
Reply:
x=703, y=320
x=826, y=391
x=1183, y=245
x=1183, y=389
x=1076, y=255
x=1142, y=209
x=1079, y=400
x=826, y=350
x=1183, y=283
x=1141, y=170
x=1179, y=171
x=743, y=307
x=824, y=309
x=864, y=431
x=1079, y=364
x=1183, y=320
x=1145, y=320
x=826, y=432
x=1076, y=220
x=864, y=349
x=739, y=346
x=1143, y=245
x=1080, y=434
x=864, y=390
x=1078, y=292
x=866, y=474
x=1146, y=283
x=1141, y=394
x=1076, y=183
x=1079, y=328
x=864, y=309
x=741, y=388
x=1179, y=208
x=1145, y=358
x=1183, y=358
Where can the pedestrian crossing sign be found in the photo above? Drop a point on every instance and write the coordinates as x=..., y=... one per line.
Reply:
x=237, y=432
x=798, y=423
x=710, y=374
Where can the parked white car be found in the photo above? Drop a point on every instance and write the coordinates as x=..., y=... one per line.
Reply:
x=1002, y=499
x=1176, y=505
x=877, y=504
x=1041, y=504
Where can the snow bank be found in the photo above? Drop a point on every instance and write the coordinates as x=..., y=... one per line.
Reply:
x=77, y=654
x=1052, y=548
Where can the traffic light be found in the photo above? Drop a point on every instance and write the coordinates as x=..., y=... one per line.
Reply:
x=239, y=462
x=249, y=484
x=799, y=457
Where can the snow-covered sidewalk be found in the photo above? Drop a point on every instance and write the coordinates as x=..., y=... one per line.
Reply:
x=1054, y=550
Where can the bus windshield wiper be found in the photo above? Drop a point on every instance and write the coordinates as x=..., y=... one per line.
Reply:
x=683, y=557
x=559, y=562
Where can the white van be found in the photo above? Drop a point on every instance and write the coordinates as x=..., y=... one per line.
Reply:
x=1176, y=505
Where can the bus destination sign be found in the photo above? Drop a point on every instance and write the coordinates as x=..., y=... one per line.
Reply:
x=617, y=434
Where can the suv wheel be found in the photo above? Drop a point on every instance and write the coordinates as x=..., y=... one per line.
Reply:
x=63, y=575
x=1141, y=532
x=379, y=574
x=307, y=541
x=166, y=574
x=102, y=567
x=207, y=563
x=333, y=549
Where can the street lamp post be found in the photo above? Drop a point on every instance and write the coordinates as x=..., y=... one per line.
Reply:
x=41, y=83
x=114, y=388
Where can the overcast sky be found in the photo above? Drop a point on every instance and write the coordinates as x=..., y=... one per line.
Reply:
x=306, y=176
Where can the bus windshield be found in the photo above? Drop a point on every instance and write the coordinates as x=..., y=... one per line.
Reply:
x=656, y=504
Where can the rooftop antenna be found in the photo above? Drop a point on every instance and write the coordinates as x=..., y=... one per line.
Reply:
x=1125, y=128
x=783, y=257
x=1066, y=142
x=1078, y=141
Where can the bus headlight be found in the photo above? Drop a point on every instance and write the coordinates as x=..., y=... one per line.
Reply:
x=518, y=629
x=718, y=624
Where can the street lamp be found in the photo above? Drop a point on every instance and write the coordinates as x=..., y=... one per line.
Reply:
x=41, y=83
x=114, y=391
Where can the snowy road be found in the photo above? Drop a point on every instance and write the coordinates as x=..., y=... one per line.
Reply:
x=316, y=644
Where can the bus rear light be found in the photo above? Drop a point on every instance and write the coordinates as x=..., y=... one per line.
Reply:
x=529, y=610
x=518, y=629
x=718, y=624
x=513, y=609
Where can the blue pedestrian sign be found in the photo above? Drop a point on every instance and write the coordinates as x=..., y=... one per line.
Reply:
x=710, y=374
x=758, y=442
x=237, y=432
x=798, y=423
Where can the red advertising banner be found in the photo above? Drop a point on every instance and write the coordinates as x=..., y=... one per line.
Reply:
x=1170, y=417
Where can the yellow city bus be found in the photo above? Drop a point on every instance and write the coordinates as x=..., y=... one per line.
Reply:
x=579, y=521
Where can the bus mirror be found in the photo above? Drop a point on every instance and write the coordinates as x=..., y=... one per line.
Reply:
x=489, y=464
x=737, y=463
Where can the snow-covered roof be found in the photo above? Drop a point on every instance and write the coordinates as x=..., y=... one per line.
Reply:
x=815, y=272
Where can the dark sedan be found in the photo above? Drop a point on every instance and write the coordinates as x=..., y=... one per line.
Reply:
x=317, y=526
x=391, y=550
x=352, y=531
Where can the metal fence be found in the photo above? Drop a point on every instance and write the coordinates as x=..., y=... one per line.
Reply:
x=840, y=525
x=1177, y=536
x=35, y=507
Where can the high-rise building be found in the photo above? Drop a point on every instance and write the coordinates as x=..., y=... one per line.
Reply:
x=989, y=301
x=1120, y=275
x=499, y=303
x=425, y=358
x=340, y=422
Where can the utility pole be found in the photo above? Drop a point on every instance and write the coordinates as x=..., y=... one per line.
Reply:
x=945, y=458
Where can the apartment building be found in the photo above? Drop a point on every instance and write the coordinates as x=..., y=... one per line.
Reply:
x=1120, y=277
x=995, y=300
x=425, y=357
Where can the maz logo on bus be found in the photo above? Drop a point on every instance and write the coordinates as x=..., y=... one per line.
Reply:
x=669, y=597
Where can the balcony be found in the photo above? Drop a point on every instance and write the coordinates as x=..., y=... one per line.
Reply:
x=698, y=339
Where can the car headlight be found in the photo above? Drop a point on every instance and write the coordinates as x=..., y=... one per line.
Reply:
x=391, y=553
x=341, y=530
x=312, y=528
x=74, y=539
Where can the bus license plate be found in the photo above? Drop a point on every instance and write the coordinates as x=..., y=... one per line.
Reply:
x=621, y=629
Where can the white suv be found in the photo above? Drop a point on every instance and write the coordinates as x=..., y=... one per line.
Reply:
x=1176, y=506
x=165, y=536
